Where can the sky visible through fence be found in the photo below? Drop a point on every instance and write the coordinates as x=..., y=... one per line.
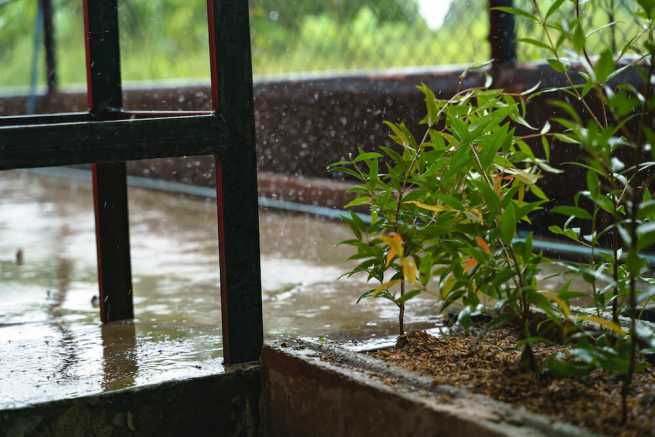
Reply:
x=167, y=39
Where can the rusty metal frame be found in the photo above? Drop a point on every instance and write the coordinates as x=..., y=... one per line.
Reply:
x=107, y=135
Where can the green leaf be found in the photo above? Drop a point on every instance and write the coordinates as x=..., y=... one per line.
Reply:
x=516, y=11
x=523, y=146
x=430, y=104
x=545, y=144
x=646, y=235
x=565, y=138
x=635, y=263
x=568, y=108
x=538, y=192
x=568, y=233
x=490, y=197
x=579, y=38
x=553, y=8
x=558, y=65
x=604, y=66
x=507, y=226
x=547, y=168
x=535, y=42
x=572, y=211
x=648, y=6
x=367, y=156
x=593, y=184
x=362, y=200
x=408, y=296
x=646, y=209
x=401, y=135
x=488, y=153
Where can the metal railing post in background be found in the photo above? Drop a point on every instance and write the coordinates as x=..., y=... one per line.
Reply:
x=49, y=44
x=502, y=36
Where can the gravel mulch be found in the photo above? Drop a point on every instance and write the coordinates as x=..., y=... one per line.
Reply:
x=491, y=367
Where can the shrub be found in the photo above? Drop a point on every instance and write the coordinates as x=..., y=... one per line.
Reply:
x=445, y=209
x=615, y=142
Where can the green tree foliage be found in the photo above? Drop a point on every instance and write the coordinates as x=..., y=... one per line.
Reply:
x=340, y=10
x=165, y=39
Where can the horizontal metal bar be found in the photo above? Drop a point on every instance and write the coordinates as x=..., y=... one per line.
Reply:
x=74, y=117
x=110, y=141
x=24, y=120
x=156, y=114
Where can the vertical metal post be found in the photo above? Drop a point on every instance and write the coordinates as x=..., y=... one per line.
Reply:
x=49, y=44
x=502, y=35
x=104, y=95
x=236, y=181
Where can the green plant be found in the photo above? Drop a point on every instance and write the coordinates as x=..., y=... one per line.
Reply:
x=612, y=123
x=445, y=210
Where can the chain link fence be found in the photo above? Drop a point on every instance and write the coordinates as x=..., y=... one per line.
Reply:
x=614, y=20
x=167, y=39
x=372, y=36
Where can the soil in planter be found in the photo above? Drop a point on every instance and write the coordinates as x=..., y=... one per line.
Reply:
x=492, y=368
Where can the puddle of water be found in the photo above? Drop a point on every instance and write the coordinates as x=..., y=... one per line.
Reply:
x=53, y=345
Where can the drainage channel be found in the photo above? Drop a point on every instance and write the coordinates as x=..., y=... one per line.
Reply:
x=556, y=249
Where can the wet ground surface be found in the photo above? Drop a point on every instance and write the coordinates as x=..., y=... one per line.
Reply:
x=51, y=342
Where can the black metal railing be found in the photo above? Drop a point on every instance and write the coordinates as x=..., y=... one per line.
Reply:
x=107, y=136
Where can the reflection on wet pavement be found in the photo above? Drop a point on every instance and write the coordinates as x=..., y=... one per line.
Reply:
x=51, y=340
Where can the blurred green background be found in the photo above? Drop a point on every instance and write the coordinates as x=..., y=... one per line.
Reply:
x=167, y=39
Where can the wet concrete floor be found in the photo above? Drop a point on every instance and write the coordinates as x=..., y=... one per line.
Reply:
x=51, y=342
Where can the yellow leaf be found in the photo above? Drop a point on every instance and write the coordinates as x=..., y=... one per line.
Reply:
x=561, y=303
x=385, y=286
x=607, y=324
x=483, y=245
x=433, y=208
x=524, y=176
x=409, y=270
x=497, y=184
x=474, y=215
x=395, y=243
x=448, y=285
x=470, y=264
x=521, y=193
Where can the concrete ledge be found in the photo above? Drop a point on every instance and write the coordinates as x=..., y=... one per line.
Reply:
x=225, y=405
x=316, y=390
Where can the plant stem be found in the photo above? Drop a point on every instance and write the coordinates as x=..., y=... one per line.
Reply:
x=401, y=313
x=401, y=194
x=510, y=255
x=632, y=303
x=552, y=44
x=634, y=241
x=615, y=275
